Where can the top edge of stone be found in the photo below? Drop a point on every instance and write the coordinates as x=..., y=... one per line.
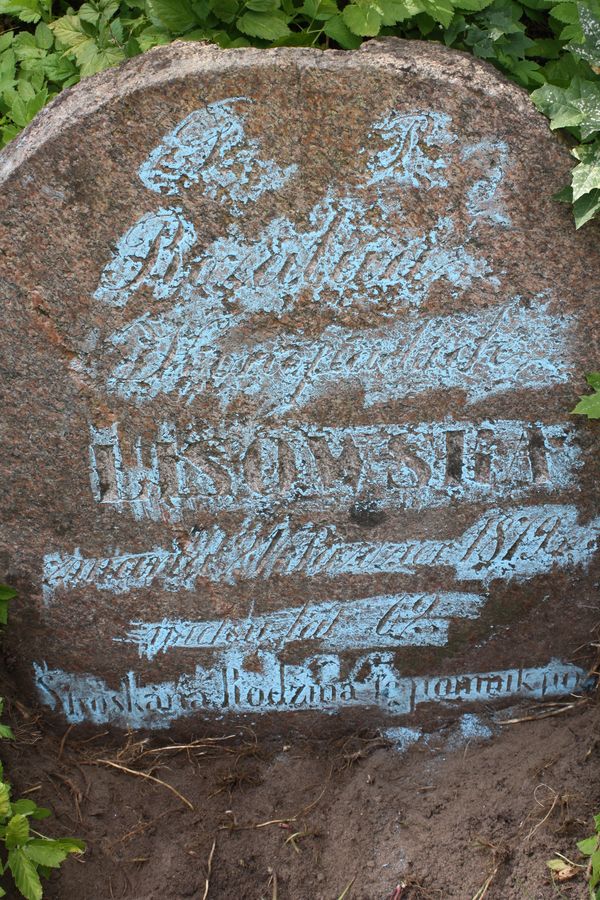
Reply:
x=180, y=59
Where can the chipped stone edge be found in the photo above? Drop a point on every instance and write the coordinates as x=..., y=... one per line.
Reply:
x=172, y=62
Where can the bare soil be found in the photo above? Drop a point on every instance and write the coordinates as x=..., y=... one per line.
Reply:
x=309, y=819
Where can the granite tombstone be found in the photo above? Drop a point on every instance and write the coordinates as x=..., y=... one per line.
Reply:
x=289, y=344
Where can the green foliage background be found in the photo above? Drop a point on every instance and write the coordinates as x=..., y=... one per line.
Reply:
x=550, y=48
x=26, y=856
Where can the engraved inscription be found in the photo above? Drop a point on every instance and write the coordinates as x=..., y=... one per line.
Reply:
x=482, y=354
x=252, y=323
x=517, y=543
x=250, y=468
x=318, y=683
x=388, y=621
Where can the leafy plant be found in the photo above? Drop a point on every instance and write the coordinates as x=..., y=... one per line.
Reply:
x=551, y=48
x=564, y=869
x=590, y=847
x=24, y=853
x=589, y=405
x=6, y=595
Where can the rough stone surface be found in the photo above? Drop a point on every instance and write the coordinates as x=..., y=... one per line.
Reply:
x=289, y=344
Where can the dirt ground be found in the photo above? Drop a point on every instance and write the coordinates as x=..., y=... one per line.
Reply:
x=472, y=812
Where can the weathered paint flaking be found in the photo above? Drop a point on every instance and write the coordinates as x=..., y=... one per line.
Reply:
x=484, y=354
x=247, y=467
x=516, y=543
x=318, y=683
x=396, y=620
x=351, y=253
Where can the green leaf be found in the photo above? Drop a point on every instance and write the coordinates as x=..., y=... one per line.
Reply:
x=52, y=853
x=23, y=111
x=545, y=48
x=557, y=865
x=69, y=844
x=593, y=379
x=589, y=406
x=9, y=132
x=176, y=15
x=17, y=831
x=25, y=874
x=268, y=26
x=88, y=13
x=263, y=5
x=441, y=11
x=42, y=812
x=398, y=10
x=116, y=30
x=36, y=103
x=590, y=26
x=69, y=31
x=43, y=36
x=473, y=5
x=586, y=176
x=5, y=809
x=589, y=845
x=93, y=59
x=586, y=207
x=337, y=29
x=321, y=10
x=25, y=10
x=576, y=106
x=198, y=34
x=225, y=10
x=363, y=19
x=152, y=37
x=24, y=807
x=59, y=69
x=43, y=854
x=295, y=39
x=566, y=12
x=7, y=593
x=6, y=40
x=6, y=732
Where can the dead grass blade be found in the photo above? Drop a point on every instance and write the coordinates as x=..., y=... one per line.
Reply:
x=135, y=772
x=548, y=804
x=544, y=715
x=64, y=740
x=305, y=809
x=499, y=855
x=209, y=870
x=201, y=743
x=141, y=827
x=272, y=882
x=346, y=889
x=487, y=883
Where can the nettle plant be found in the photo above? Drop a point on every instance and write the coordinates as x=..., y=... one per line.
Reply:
x=25, y=854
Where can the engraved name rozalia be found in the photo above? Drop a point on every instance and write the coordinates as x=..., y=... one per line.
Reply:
x=178, y=304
